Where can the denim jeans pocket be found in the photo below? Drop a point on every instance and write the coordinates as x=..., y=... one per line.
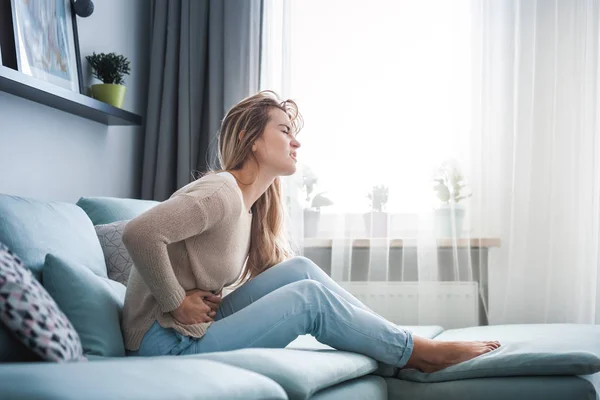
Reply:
x=159, y=341
x=184, y=343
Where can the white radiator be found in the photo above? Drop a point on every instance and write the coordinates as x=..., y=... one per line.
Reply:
x=448, y=304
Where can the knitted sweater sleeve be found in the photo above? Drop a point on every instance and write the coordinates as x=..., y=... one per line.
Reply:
x=147, y=236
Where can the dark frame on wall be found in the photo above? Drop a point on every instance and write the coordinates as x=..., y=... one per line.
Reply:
x=16, y=44
x=77, y=51
x=8, y=52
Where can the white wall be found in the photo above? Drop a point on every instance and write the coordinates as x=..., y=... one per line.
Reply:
x=52, y=155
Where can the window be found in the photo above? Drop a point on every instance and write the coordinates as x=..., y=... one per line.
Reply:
x=385, y=91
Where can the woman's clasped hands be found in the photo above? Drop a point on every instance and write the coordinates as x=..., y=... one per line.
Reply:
x=197, y=307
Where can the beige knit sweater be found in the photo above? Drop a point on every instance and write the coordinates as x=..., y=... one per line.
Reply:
x=197, y=239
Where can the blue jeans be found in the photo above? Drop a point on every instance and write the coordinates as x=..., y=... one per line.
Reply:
x=290, y=299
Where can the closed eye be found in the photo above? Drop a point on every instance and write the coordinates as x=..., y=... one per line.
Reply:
x=286, y=129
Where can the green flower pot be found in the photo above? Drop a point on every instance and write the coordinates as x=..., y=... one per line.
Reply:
x=109, y=93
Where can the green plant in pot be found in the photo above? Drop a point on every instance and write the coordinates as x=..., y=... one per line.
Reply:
x=111, y=69
x=376, y=221
x=312, y=210
x=450, y=188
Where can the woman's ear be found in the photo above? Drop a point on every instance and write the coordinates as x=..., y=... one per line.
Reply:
x=241, y=135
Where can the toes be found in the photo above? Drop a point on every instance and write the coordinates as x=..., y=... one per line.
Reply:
x=494, y=343
x=490, y=345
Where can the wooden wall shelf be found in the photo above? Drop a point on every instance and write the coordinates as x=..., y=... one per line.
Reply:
x=39, y=91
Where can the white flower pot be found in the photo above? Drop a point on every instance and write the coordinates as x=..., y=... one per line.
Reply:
x=311, y=223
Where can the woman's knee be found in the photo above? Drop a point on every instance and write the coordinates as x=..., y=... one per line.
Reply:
x=313, y=294
x=308, y=286
x=304, y=266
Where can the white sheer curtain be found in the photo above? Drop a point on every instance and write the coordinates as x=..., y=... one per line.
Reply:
x=536, y=123
x=398, y=93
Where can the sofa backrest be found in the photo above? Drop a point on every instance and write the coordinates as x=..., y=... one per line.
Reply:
x=33, y=228
x=104, y=210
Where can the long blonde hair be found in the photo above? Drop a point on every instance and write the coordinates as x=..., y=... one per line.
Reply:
x=269, y=244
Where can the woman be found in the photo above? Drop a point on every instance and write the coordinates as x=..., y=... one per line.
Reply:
x=226, y=227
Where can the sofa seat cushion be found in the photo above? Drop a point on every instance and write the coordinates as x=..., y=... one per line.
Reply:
x=594, y=379
x=500, y=388
x=161, y=378
x=532, y=350
x=33, y=228
x=301, y=373
x=104, y=210
x=366, y=387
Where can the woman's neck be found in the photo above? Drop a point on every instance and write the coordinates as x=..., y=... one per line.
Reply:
x=252, y=183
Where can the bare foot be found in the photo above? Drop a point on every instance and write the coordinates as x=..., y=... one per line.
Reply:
x=432, y=355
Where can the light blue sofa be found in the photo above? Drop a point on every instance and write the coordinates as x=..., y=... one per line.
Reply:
x=536, y=361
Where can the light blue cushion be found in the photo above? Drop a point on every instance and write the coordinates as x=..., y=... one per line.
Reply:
x=160, y=378
x=595, y=381
x=104, y=210
x=307, y=342
x=93, y=304
x=535, y=349
x=301, y=373
x=33, y=228
x=368, y=387
x=501, y=388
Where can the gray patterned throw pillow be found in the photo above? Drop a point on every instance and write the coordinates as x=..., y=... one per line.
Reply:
x=118, y=261
x=32, y=315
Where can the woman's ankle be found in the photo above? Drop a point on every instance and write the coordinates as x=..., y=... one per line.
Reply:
x=423, y=352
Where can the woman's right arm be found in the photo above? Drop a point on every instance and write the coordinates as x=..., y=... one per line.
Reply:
x=146, y=238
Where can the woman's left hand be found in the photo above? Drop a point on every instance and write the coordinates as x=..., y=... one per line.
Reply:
x=211, y=300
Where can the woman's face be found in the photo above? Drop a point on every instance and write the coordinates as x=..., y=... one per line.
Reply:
x=276, y=149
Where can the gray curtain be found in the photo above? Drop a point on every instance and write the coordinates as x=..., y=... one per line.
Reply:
x=205, y=57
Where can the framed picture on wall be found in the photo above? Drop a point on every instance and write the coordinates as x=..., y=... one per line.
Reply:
x=46, y=41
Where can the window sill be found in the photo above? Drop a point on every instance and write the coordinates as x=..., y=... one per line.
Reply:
x=408, y=242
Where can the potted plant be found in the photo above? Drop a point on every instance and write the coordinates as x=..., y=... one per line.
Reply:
x=312, y=210
x=110, y=69
x=450, y=189
x=376, y=221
